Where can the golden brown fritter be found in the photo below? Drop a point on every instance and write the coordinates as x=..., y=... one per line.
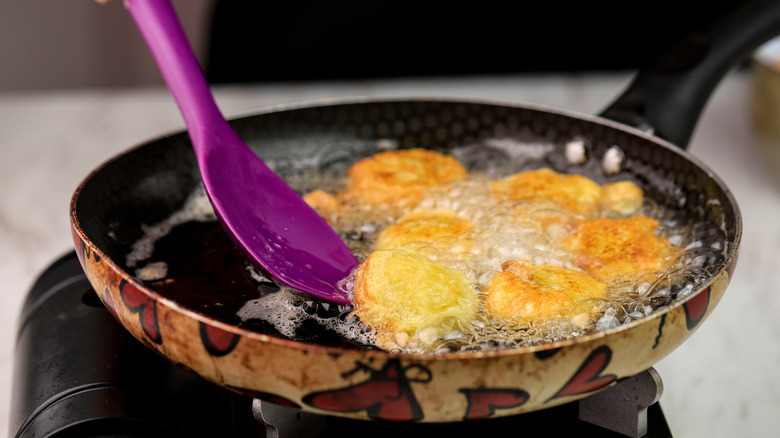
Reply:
x=611, y=248
x=622, y=198
x=323, y=202
x=426, y=225
x=527, y=293
x=402, y=292
x=576, y=192
x=400, y=177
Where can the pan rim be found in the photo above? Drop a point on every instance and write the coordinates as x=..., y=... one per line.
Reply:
x=729, y=259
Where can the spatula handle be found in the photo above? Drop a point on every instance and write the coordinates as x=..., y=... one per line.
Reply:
x=168, y=43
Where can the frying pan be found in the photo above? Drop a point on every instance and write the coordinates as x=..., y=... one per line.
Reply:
x=192, y=320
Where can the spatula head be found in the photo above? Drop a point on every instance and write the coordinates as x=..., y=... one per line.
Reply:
x=272, y=223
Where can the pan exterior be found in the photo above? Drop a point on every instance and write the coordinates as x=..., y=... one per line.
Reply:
x=381, y=386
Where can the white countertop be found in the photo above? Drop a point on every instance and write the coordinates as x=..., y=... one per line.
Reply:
x=723, y=382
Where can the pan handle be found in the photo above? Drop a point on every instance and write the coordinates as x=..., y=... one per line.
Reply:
x=669, y=95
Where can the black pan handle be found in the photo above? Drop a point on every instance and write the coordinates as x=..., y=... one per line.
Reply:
x=669, y=95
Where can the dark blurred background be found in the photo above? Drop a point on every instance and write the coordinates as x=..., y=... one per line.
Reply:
x=79, y=43
x=304, y=40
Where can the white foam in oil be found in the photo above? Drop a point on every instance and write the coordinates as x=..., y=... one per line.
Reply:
x=196, y=208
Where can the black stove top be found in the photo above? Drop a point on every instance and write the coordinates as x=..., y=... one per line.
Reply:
x=78, y=373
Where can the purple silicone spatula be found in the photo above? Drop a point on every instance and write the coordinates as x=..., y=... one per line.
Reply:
x=262, y=214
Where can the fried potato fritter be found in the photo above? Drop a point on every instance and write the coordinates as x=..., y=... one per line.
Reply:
x=401, y=291
x=578, y=193
x=611, y=248
x=426, y=225
x=528, y=293
x=400, y=177
x=622, y=197
x=323, y=202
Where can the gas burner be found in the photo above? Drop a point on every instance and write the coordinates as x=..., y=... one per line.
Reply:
x=77, y=372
